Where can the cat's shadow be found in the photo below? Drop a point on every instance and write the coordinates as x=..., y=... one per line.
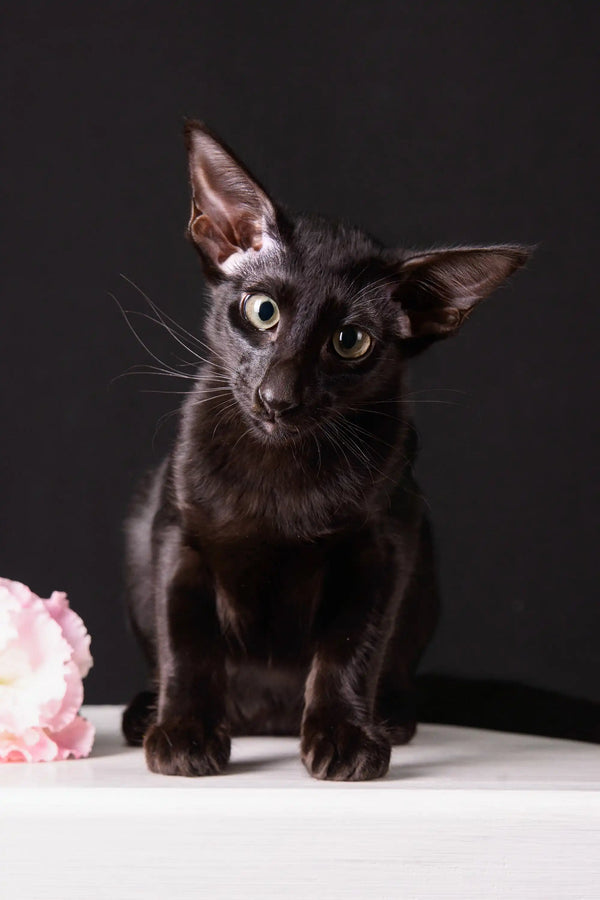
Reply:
x=469, y=756
x=243, y=766
x=109, y=745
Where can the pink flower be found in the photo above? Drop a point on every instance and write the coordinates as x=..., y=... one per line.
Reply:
x=44, y=655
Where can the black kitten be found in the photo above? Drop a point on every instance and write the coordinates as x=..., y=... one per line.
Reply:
x=280, y=560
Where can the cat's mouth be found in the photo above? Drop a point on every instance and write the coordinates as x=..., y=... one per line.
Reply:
x=276, y=429
x=273, y=428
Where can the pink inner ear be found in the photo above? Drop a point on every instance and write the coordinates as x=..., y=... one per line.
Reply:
x=249, y=232
x=230, y=210
x=211, y=239
x=442, y=287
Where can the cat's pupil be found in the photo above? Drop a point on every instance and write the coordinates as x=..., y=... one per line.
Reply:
x=266, y=311
x=348, y=337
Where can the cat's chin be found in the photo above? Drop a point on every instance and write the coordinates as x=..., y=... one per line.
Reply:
x=274, y=433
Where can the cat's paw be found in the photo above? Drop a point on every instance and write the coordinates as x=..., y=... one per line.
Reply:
x=137, y=717
x=402, y=734
x=184, y=747
x=343, y=751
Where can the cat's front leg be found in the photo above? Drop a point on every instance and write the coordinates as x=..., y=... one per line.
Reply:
x=340, y=740
x=190, y=736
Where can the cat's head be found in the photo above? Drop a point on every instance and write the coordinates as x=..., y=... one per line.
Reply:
x=312, y=319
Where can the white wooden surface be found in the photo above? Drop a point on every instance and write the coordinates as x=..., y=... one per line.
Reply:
x=462, y=814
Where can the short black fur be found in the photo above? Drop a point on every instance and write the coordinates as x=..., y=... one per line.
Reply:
x=280, y=560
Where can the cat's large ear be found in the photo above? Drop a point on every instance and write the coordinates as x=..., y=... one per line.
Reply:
x=231, y=213
x=440, y=288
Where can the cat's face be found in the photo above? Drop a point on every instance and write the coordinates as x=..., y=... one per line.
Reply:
x=310, y=320
x=309, y=332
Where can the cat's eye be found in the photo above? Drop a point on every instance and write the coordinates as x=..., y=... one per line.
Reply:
x=351, y=342
x=260, y=310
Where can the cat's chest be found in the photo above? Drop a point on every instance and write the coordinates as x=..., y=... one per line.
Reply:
x=267, y=595
x=271, y=503
x=296, y=492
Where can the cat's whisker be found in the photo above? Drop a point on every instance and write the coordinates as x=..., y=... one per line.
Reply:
x=242, y=435
x=143, y=315
x=161, y=421
x=220, y=388
x=166, y=317
x=333, y=440
x=222, y=413
x=139, y=339
x=219, y=409
x=145, y=369
x=372, y=288
x=431, y=390
x=369, y=434
x=218, y=374
x=186, y=363
x=216, y=392
x=346, y=423
x=318, y=446
x=354, y=441
x=204, y=400
x=352, y=447
x=366, y=410
x=350, y=292
x=410, y=401
x=377, y=412
x=361, y=442
x=356, y=446
x=225, y=415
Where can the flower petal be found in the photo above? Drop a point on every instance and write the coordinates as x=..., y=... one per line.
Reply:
x=32, y=669
x=44, y=653
x=73, y=630
x=75, y=740
x=71, y=701
x=33, y=745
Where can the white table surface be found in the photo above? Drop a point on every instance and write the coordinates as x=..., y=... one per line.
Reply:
x=462, y=814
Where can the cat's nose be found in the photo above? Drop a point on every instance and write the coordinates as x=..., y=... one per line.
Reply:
x=279, y=391
x=276, y=403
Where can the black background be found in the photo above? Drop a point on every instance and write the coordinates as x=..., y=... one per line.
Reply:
x=425, y=122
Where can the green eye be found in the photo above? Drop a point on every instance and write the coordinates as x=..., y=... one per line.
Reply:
x=261, y=311
x=351, y=342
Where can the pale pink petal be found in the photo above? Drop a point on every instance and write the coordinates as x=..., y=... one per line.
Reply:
x=75, y=740
x=17, y=590
x=32, y=669
x=71, y=701
x=34, y=745
x=9, y=605
x=44, y=652
x=73, y=630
